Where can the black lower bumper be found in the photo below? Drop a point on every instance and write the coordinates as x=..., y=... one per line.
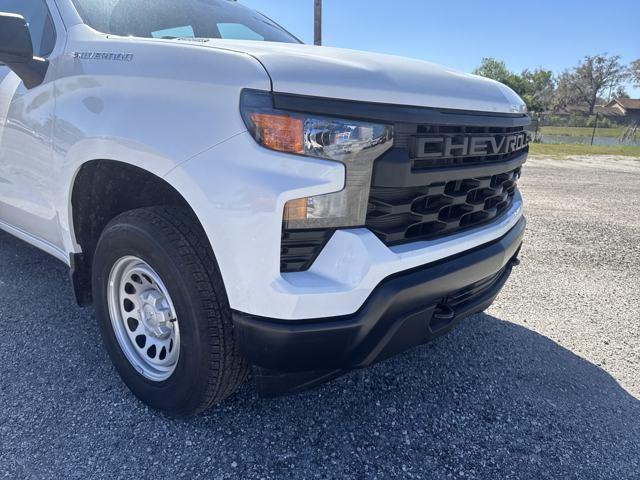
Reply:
x=404, y=311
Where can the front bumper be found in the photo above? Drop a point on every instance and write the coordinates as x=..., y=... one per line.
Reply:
x=238, y=191
x=405, y=310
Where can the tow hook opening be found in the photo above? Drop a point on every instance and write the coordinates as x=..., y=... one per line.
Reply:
x=514, y=262
x=442, y=317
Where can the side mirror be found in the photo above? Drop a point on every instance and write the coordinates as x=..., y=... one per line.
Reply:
x=16, y=50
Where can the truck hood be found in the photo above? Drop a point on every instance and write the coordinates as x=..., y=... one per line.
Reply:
x=371, y=77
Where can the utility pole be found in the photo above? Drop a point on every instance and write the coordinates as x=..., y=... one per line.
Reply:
x=317, y=22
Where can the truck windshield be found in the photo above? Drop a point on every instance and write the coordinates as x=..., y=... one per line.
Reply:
x=181, y=19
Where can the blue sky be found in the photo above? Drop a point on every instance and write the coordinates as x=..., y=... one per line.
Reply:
x=554, y=34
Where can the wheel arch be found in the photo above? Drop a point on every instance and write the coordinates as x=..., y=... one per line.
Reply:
x=100, y=190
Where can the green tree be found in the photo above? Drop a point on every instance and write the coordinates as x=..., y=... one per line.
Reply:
x=493, y=69
x=565, y=94
x=591, y=78
x=621, y=92
x=536, y=87
x=635, y=72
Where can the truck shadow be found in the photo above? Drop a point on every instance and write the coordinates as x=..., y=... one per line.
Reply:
x=492, y=399
x=491, y=393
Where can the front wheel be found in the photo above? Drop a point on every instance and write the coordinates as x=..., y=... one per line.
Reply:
x=163, y=311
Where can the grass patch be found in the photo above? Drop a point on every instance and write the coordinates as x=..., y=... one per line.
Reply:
x=583, y=131
x=564, y=150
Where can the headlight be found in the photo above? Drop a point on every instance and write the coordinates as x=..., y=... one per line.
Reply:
x=356, y=144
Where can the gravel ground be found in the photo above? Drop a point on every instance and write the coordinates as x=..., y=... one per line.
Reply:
x=545, y=385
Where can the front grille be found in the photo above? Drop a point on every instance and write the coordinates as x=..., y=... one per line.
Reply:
x=398, y=215
x=457, y=172
x=433, y=183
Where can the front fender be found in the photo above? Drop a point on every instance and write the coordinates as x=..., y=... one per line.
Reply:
x=238, y=191
x=167, y=105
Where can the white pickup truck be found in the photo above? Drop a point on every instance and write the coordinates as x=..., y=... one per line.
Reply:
x=231, y=200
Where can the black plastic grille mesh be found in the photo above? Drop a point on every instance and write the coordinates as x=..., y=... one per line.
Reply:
x=299, y=248
x=398, y=215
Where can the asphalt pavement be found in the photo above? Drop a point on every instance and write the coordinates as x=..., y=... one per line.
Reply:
x=546, y=384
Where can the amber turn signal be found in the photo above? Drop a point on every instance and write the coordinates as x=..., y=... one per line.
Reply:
x=295, y=210
x=279, y=132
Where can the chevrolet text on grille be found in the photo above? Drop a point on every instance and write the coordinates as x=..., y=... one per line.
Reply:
x=456, y=145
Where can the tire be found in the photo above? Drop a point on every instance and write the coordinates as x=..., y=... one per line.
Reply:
x=205, y=366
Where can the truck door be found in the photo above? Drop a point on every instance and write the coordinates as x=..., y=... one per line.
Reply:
x=26, y=125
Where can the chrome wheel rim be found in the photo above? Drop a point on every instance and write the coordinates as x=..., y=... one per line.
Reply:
x=143, y=318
